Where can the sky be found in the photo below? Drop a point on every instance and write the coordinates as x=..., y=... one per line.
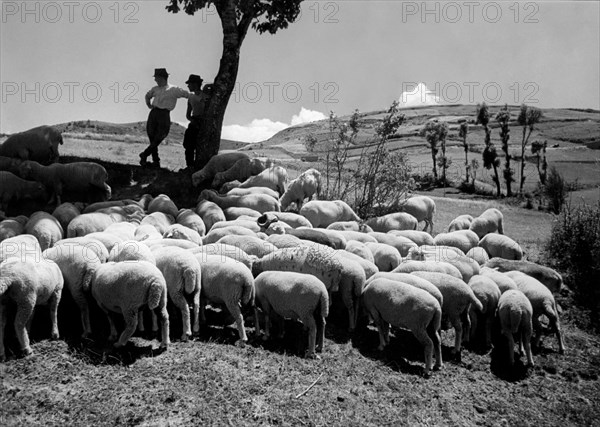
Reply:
x=77, y=60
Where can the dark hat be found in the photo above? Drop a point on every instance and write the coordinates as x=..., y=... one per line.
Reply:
x=194, y=78
x=160, y=72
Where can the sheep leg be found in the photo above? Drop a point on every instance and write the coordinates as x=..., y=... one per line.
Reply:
x=526, y=342
x=113, y=330
x=320, y=332
x=22, y=318
x=53, y=303
x=537, y=329
x=2, y=326
x=180, y=302
x=555, y=325
x=511, y=346
x=309, y=322
x=349, y=303
x=489, y=321
x=436, y=341
x=256, y=322
x=164, y=323
x=466, y=323
x=236, y=312
x=131, y=320
x=196, y=312
x=422, y=336
x=458, y=334
x=474, y=321
x=84, y=309
x=155, y=322
x=141, y=328
x=383, y=328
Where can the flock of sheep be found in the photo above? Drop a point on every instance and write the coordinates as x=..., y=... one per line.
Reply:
x=245, y=247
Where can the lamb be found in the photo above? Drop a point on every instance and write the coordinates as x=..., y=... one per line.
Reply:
x=412, y=280
x=82, y=177
x=360, y=249
x=240, y=171
x=126, y=287
x=178, y=231
x=479, y=255
x=131, y=250
x=89, y=223
x=305, y=186
x=290, y=218
x=420, y=207
x=218, y=163
x=297, y=296
x=159, y=220
x=210, y=213
x=12, y=227
x=467, y=267
x=542, y=302
x=461, y=222
x=404, y=306
x=181, y=270
x=215, y=235
x=28, y=282
x=322, y=213
x=393, y=221
x=386, y=257
x=45, y=228
x=419, y=237
x=234, y=213
x=458, y=298
x=402, y=244
x=39, y=144
x=163, y=203
x=464, y=240
x=74, y=261
x=65, y=213
x=224, y=251
x=226, y=281
x=190, y=219
x=516, y=313
x=409, y=266
x=252, y=245
x=499, y=245
x=490, y=221
x=488, y=293
x=324, y=237
x=15, y=189
x=503, y=282
x=259, y=202
x=549, y=277
x=237, y=191
x=274, y=178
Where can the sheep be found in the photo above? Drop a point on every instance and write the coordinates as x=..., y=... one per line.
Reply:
x=420, y=207
x=549, y=277
x=173, y=243
x=488, y=293
x=74, y=261
x=215, y=235
x=39, y=144
x=144, y=201
x=126, y=287
x=501, y=246
x=234, y=212
x=224, y=251
x=83, y=177
x=45, y=228
x=190, y=219
x=479, y=255
x=322, y=213
x=163, y=203
x=252, y=245
x=490, y=221
x=349, y=226
x=21, y=246
x=458, y=299
x=252, y=190
x=12, y=227
x=404, y=306
x=464, y=240
x=274, y=178
x=324, y=237
x=123, y=230
x=516, y=313
x=210, y=213
x=501, y=280
x=131, y=250
x=290, y=218
x=178, y=231
x=15, y=189
x=352, y=282
x=159, y=220
x=297, y=296
x=65, y=213
x=305, y=186
x=10, y=164
x=247, y=224
x=467, y=267
x=96, y=206
x=357, y=235
x=419, y=237
x=360, y=249
x=402, y=244
x=368, y=266
x=89, y=223
x=542, y=302
x=28, y=282
x=146, y=232
x=393, y=221
x=412, y=280
x=128, y=211
x=409, y=266
x=90, y=242
x=240, y=171
x=461, y=222
x=284, y=241
x=218, y=163
x=386, y=257
x=259, y=202
x=182, y=272
x=226, y=281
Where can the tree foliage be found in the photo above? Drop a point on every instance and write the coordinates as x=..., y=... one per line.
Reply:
x=528, y=118
x=503, y=118
x=435, y=132
x=490, y=155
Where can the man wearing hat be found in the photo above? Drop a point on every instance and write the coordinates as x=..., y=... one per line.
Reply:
x=161, y=100
x=195, y=114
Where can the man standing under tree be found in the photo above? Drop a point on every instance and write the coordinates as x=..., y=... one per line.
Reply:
x=164, y=98
x=195, y=114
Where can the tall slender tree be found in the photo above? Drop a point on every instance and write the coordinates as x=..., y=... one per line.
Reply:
x=435, y=133
x=528, y=118
x=462, y=133
x=490, y=155
x=503, y=118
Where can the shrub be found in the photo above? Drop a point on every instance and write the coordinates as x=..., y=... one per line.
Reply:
x=555, y=190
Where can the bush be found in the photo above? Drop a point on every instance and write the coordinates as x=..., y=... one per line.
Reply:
x=574, y=249
x=555, y=190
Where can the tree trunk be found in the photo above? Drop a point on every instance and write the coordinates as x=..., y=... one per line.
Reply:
x=435, y=175
x=497, y=181
x=466, y=165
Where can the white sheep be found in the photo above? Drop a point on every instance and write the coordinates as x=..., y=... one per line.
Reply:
x=274, y=178
x=282, y=241
x=516, y=313
x=21, y=246
x=182, y=273
x=296, y=296
x=503, y=282
x=235, y=212
x=89, y=223
x=251, y=225
x=393, y=221
x=386, y=257
x=45, y=228
x=479, y=255
x=96, y=206
x=467, y=267
x=321, y=213
x=419, y=237
x=322, y=236
x=464, y=240
x=412, y=280
x=458, y=298
x=90, y=244
x=408, y=266
x=360, y=249
x=490, y=221
x=304, y=187
x=39, y=144
x=461, y=222
x=65, y=213
x=82, y=177
x=226, y=281
x=131, y=250
x=191, y=219
x=12, y=227
x=215, y=235
x=292, y=219
x=28, y=282
x=266, y=191
x=402, y=244
x=252, y=245
x=15, y=189
x=404, y=306
x=240, y=171
x=488, y=293
x=146, y=232
x=549, y=277
x=178, y=231
x=163, y=203
x=126, y=288
x=169, y=243
x=224, y=251
x=123, y=230
x=368, y=266
x=159, y=220
x=542, y=302
x=218, y=163
x=420, y=207
x=499, y=245
x=259, y=202
x=357, y=235
x=349, y=226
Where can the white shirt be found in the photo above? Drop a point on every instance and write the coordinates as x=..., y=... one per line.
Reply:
x=166, y=96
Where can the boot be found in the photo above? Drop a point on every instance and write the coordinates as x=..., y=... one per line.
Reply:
x=143, y=161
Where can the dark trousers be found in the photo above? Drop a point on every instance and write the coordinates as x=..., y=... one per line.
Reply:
x=190, y=141
x=157, y=128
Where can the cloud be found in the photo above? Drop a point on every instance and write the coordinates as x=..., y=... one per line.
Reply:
x=418, y=95
x=263, y=129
